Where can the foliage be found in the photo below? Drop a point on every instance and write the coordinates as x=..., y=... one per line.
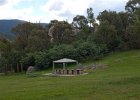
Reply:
x=107, y=34
x=61, y=32
x=29, y=36
x=28, y=60
x=90, y=16
x=133, y=36
x=38, y=40
x=80, y=22
x=113, y=18
x=132, y=6
x=5, y=51
x=79, y=52
x=132, y=32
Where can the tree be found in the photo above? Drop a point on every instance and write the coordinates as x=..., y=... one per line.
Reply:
x=132, y=6
x=24, y=34
x=80, y=22
x=8, y=55
x=38, y=40
x=5, y=46
x=113, y=18
x=133, y=36
x=52, y=22
x=125, y=18
x=132, y=33
x=107, y=34
x=90, y=17
x=61, y=32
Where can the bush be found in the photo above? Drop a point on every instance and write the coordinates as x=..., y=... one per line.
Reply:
x=28, y=60
x=78, y=52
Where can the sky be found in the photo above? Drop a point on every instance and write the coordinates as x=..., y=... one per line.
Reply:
x=45, y=10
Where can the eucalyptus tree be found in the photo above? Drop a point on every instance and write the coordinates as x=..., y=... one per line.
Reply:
x=80, y=22
x=107, y=34
x=132, y=6
x=133, y=30
x=61, y=32
x=38, y=40
x=90, y=17
x=24, y=34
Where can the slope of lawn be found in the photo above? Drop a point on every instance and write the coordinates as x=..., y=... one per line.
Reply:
x=120, y=80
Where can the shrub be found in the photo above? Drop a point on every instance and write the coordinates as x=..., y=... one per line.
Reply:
x=78, y=52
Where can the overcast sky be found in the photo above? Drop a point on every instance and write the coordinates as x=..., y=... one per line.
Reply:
x=46, y=10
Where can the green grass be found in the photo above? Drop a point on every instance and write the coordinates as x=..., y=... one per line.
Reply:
x=120, y=80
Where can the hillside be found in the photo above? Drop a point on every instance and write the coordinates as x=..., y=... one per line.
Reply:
x=7, y=25
x=119, y=80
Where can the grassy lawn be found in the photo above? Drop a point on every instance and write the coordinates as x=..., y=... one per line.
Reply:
x=120, y=80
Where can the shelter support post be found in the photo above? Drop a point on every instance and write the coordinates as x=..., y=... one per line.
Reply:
x=53, y=67
x=77, y=63
x=64, y=66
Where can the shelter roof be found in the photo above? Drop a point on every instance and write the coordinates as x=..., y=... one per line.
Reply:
x=64, y=60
